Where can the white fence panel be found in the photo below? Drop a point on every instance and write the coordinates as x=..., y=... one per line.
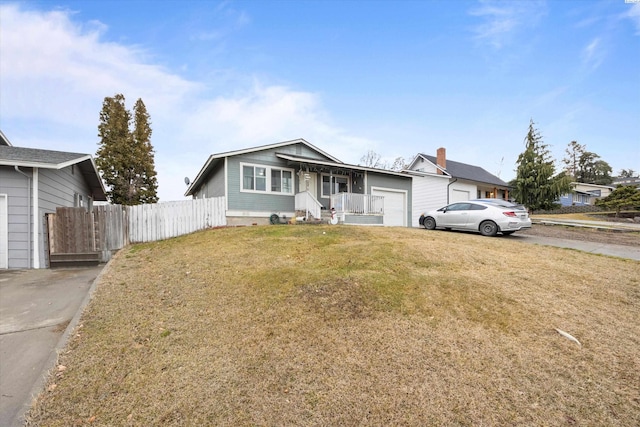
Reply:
x=364, y=204
x=152, y=222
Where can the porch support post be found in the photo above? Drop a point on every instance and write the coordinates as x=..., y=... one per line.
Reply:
x=330, y=189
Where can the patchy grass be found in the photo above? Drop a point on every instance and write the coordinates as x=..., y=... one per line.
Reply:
x=578, y=216
x=293, y=325
x=590, y=216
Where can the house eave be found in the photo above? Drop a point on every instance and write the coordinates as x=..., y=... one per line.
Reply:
x=85, y=163
x=444, y=175
x=316, y=162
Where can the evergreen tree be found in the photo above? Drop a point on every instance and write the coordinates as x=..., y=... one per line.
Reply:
x=623, y=197
x=148, y=183
x=627, y=173
x=592, y=170
x=536, y=185
x=125, y=158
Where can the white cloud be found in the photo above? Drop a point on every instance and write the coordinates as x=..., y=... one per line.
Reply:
x=634, y=15
x=503, y=20
x=231, y=20
x=55, y=73
x=593, y=54
x=56, y=70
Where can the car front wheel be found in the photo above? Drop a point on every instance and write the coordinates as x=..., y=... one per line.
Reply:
x=488, y=228
x=429, y=223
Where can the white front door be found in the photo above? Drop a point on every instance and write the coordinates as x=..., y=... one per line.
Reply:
x=309, y=182
x=4, y=232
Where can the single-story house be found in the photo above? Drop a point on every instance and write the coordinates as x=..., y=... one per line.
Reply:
x=585, y=194
x=620, y=180
x=294, y=179
x=438, y=182
x=35, y=182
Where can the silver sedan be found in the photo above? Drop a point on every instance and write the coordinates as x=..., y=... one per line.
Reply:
x=486, y=216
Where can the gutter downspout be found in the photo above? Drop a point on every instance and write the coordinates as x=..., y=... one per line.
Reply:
x=36, y=221
x=448, y=185
x=29, y=230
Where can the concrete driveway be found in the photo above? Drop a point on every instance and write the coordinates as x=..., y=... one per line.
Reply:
x=38, y=310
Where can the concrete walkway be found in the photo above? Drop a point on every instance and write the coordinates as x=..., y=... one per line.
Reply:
x=38, y=311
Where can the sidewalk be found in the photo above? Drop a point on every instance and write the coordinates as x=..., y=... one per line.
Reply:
x=38, y=311
x=620, y=251
x=608, y=225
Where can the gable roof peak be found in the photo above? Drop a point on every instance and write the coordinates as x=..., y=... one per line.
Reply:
x=465, y=171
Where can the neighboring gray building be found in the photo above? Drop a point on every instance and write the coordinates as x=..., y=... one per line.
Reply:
x=295, y=179
x=33, y=183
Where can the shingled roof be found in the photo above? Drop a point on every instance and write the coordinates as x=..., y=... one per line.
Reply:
x=468, y=172
x=49, y=159
x=33, y=157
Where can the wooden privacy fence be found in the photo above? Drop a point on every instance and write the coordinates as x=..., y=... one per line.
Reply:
x=74, y=233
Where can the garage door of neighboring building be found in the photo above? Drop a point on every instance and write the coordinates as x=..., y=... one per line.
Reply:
x=395, y=206
x=459, y=196
x=4, y=232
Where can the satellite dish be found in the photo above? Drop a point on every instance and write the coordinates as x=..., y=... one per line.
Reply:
x=186, y=180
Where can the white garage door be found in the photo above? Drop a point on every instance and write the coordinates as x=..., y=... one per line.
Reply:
x=395, y=206
x=459, y=196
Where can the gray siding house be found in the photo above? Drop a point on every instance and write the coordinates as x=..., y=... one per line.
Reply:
x=295, y=180
x=33, y=183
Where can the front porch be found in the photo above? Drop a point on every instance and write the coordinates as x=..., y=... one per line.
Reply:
x=350, y=208
x=488, y=192
x=354, y=194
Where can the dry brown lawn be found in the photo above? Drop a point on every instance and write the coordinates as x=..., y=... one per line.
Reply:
x=327, y=326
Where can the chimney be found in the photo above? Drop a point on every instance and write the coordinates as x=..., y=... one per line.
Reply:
x=441, y=159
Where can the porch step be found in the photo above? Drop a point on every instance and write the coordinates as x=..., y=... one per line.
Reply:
x=74, y=259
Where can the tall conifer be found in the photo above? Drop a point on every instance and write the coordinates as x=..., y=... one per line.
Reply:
x=125, y=158
x=536, y=185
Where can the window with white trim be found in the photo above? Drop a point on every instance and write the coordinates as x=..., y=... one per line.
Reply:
x=334, y=184
x=266, y=179
x=281, y=181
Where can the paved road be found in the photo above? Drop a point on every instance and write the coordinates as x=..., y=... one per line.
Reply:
x=38, y=309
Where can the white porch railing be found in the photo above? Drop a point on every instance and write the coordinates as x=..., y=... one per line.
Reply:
x=363, y=204
x=306, y=202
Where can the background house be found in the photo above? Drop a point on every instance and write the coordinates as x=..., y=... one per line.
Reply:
x=294, y=179
x=585, y=194
x=33, y=183
x=439, y=181
x=620, y=180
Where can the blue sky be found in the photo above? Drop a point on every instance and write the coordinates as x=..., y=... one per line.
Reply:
x=395, y=77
